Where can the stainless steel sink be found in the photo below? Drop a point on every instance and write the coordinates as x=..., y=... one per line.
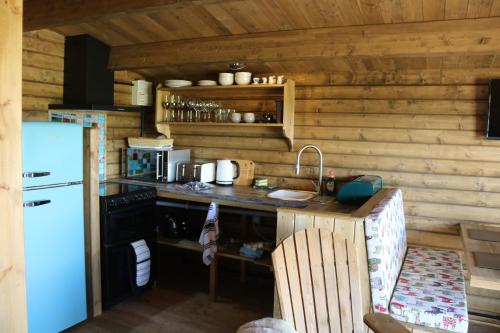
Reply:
x=292, y=195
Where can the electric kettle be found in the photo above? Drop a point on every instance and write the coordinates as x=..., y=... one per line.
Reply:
x=227, y=171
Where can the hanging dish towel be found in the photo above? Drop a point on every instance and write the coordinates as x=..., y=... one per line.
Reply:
x=210, y=234
x=143, y=262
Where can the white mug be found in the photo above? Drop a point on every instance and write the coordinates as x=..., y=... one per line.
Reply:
x=272, y=79
x=236, y=117
x=264, y=80
x=256, y=80
x=249, y=117
x=281, y=79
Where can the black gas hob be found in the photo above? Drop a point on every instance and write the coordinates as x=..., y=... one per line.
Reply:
x=118, y=195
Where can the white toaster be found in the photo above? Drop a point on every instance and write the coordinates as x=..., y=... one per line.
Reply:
x=201, y=172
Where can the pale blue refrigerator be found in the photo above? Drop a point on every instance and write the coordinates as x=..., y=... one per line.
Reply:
x=53, y=225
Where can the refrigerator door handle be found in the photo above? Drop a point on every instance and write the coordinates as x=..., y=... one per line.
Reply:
x=36, y=174
x=35, y=203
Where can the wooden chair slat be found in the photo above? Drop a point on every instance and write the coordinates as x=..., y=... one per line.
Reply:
x=343, y=283
x=318, y=280
x=305, y=280
x=332, y=297
x=356, y=302
x=281, y=276
x=294, y=282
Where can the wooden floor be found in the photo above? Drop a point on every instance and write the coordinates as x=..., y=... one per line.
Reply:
x=186, y=308
x=180, y=304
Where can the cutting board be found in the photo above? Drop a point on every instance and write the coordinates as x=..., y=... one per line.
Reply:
x=247, y=169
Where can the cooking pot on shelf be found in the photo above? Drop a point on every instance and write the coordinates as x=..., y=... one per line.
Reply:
x=227, y=172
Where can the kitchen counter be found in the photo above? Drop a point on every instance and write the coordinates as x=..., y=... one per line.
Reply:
x=244, y=197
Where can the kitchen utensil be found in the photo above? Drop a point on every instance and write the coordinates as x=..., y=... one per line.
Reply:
x=243, y=77
x=247, y=171
x=236, y=117
x=249, y=117
x=207, y=83
x=178, y=83
x=227, y=172
x=226, y=79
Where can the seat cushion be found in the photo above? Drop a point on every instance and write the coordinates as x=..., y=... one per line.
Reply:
x=386, y=247
x=431, y=290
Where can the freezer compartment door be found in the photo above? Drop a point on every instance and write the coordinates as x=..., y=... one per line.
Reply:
x=52, y=153
x=55, y=258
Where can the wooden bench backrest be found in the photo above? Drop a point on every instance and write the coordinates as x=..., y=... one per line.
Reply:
x=318, y=282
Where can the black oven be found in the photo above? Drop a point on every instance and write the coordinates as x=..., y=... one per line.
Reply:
x=127, y=215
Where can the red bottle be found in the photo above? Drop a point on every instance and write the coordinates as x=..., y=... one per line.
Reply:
x=331, y=184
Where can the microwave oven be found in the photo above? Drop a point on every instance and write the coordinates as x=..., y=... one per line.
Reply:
x=153, y=165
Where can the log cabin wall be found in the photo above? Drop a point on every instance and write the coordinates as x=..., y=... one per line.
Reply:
x=43, y=77
x=421, y=130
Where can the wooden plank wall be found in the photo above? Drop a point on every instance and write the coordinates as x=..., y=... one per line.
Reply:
x=421, y=132
x=43, y=77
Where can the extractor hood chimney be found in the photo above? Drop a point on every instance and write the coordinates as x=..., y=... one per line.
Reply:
x=87, y=79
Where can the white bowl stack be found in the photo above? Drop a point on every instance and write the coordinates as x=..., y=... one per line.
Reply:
x=243, y=78
x=226, y=79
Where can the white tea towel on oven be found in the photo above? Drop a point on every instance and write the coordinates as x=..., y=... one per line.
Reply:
x=210, y=234
x=143, y=262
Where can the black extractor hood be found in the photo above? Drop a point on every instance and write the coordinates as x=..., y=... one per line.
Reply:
x=88, y=83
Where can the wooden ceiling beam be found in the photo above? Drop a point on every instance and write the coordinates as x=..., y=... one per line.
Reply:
x=47, y=14
x=438, y=38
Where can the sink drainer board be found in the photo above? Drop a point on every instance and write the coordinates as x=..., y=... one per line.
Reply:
x=292, y=195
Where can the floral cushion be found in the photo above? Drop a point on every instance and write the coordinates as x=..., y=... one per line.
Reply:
x=431, y=290
x=386, y=247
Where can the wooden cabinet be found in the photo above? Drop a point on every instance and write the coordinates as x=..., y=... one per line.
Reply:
x=258, y=99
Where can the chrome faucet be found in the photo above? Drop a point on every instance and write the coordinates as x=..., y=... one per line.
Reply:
x=297, y=166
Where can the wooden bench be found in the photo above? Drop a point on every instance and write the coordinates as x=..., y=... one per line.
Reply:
x=383, y=273
x=421, y=287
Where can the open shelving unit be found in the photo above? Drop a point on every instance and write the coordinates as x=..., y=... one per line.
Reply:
x=186, y=244
x=281, y=93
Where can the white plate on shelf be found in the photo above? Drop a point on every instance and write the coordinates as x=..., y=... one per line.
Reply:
x=207, y=83
x=178, y=83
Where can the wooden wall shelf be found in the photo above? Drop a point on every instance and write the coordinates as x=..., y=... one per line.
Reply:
x=282, y=92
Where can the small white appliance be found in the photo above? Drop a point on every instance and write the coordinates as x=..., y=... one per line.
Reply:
x=156, y=165
x=201, y=172
x=227, y=172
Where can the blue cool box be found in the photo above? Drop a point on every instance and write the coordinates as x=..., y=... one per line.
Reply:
x=359, y=190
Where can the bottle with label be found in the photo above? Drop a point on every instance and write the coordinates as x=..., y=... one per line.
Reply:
x=331, y=184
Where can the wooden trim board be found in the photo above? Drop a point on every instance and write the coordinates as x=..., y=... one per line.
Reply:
x=92, y=221
x=13, y=314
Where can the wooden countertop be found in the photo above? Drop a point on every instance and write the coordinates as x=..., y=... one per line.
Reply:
x=244, y=197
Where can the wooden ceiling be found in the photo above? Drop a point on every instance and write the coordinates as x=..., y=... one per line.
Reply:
x=176, y=38
x=197, y=19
